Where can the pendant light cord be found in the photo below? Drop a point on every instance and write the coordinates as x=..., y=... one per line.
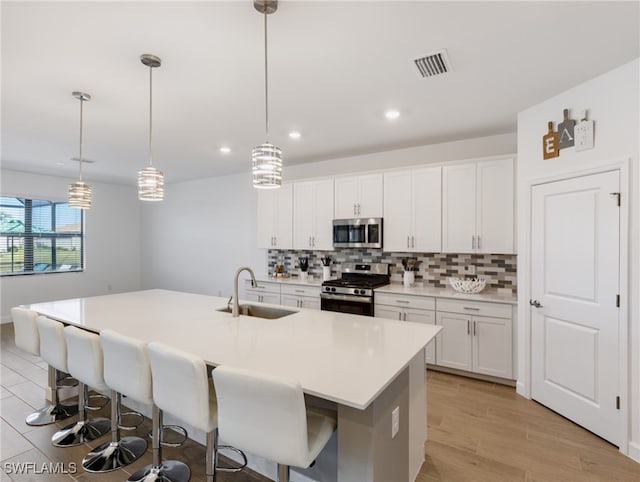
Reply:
x=150, y=113
x=80, y=158
x=266, y=77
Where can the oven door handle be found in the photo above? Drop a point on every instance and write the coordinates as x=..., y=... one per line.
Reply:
x=356, y=299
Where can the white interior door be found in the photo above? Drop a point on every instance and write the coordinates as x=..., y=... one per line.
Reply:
x=575, y=281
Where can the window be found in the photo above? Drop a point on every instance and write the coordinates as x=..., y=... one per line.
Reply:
x=40, y=236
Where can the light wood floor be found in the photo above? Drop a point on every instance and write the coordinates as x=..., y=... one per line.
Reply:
x=478, y=431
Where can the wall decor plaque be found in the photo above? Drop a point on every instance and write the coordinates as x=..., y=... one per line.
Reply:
x=584, y=133
x=550, y=143
x=566, y=131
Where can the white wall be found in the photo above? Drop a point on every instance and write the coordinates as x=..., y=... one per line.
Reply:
x=112, y=248
x=613, y=103
x=200, y=234
x=409, y=156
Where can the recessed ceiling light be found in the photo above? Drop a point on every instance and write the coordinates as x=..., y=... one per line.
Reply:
x=392, y=114
x=295, y=135
x=225, y=150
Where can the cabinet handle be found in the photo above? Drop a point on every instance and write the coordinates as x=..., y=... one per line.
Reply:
x=314, y=241
x=404, y=317
x=471, y=308
x=478, y=242
x=358, y=208
x=354, y=209
x=408, y=246
x=399, y=316
x=473, y=242
x=468, y=327
x=474, y=328
x=299, y=291
x=402, y=301
x=413, y=242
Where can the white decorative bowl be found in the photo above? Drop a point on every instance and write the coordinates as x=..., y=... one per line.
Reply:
x=468, y=285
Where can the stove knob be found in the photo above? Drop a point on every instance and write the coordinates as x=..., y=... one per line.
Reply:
x=333, y=289
x=326, y=288
x=359, y=292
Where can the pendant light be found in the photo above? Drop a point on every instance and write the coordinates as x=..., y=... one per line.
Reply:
x=79, y=194
x=266, y=158
x=150, y=179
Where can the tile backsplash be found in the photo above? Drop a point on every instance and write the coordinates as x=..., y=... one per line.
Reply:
x=433, y=270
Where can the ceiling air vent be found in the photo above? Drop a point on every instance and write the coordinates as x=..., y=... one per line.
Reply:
x=433, y=64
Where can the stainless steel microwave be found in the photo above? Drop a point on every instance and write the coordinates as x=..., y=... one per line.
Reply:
x=357, y=233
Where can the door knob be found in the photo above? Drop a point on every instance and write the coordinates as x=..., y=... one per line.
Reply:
x=535, y=303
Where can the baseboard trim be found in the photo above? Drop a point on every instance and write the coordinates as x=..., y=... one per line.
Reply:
x=634, y=451
x=521, y=390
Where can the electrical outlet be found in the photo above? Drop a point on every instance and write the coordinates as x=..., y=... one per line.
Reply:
x=395, y=422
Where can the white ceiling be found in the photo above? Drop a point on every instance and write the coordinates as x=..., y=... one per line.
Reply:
x=334, y=68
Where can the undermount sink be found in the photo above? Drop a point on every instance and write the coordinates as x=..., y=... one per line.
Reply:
x=260, y=311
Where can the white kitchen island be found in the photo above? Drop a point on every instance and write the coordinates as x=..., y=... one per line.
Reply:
x=367, y=366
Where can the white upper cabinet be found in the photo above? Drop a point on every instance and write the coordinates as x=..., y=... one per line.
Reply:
x=412, y=210
x=358, y=196
x=313, y=215
x=275, y=217
x=478, y=207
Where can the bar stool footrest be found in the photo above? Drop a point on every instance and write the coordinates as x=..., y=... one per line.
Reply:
x=96, y=396
x=232, y=469
x=137, y=415
x=181, y=431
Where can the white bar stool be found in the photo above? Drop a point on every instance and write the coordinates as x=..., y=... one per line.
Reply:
x=27, y=338
x=266, y=416
x=84, y=354
x=182, y=387
x=127, y=372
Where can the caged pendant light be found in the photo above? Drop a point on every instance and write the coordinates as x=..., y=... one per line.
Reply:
x=79, y=194
x=150, y=179
x=266, y=158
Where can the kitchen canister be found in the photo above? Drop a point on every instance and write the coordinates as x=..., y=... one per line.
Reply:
x=304, y=275
x=409, y=278
x=326, y=273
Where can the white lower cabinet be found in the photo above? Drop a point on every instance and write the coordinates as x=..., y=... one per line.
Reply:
x=276, y=293
x=263, y=293
x=301, y=296
x=475, y=336
x=419, y=309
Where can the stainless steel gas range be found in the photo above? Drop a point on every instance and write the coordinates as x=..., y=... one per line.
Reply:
x=353, y=292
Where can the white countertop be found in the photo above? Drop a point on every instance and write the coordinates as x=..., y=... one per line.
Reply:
x=490, y=295
x=344, y=358
x=485, y=295
x=291, y=280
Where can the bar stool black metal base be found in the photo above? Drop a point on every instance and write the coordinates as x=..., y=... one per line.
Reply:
x=114, y=455
x=51, y=414
x=81, y=432
x=168, y=471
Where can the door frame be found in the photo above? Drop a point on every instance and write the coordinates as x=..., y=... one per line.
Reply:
x=523, y=384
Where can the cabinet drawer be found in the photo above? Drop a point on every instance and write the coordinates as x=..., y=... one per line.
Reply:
x=497, y=310
x=263, y=287
x=301, y=290
x=406, y=301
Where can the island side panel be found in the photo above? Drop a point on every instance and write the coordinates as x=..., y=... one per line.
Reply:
x=417, y=413
x=366, y=450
